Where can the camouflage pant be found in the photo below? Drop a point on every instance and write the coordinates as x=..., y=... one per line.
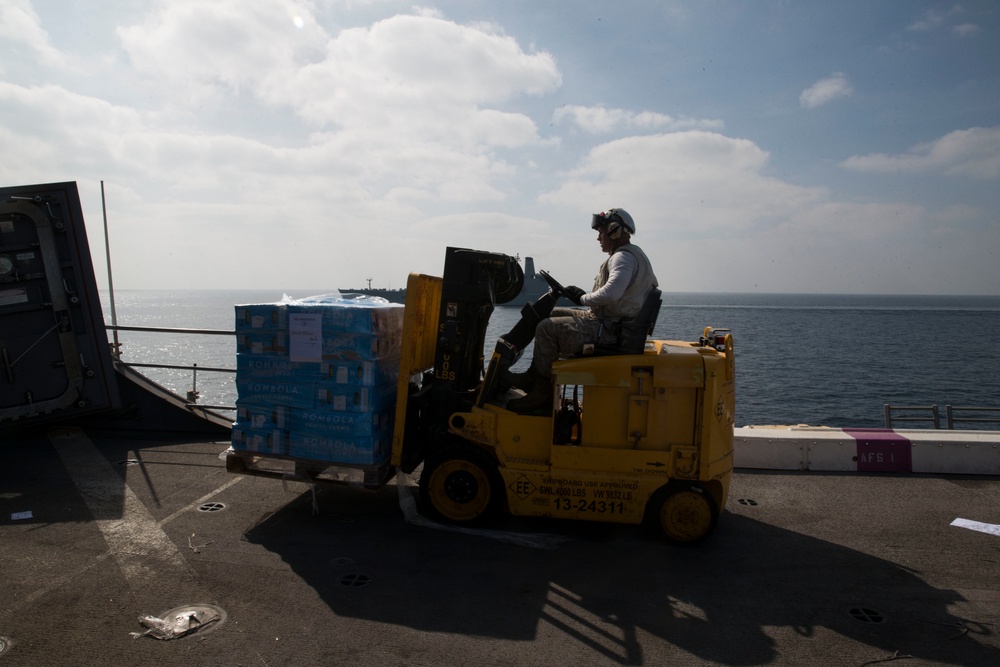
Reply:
x=565, y=332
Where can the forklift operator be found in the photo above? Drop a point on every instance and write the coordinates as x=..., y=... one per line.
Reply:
x=622, y=284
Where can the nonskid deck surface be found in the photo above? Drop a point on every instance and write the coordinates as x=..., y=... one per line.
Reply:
x=803, y=569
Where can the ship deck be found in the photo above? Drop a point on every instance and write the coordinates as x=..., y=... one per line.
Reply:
x=98, y=529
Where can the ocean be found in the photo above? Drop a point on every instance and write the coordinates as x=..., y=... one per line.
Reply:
x=818, y=359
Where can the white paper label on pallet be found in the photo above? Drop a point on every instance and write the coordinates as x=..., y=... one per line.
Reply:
x=305, y=332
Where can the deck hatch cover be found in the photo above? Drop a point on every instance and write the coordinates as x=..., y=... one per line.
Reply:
x=866, y=615
x=54, y=358
x=211, y=507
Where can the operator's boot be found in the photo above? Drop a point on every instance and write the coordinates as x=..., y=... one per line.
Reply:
x=538, y=398
x=523, y=381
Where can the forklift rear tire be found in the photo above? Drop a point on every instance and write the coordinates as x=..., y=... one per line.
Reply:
x=686, y=513
x=461, y=485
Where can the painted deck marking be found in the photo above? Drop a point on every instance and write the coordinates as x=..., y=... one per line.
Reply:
x=205, y=498
x=988, y=528
x=135, y=540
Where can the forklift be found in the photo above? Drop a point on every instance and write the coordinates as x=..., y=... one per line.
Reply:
x=639, y=432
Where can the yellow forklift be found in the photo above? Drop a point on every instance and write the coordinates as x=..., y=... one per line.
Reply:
x=638, y=432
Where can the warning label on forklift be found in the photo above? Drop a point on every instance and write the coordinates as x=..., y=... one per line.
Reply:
x=577, y=495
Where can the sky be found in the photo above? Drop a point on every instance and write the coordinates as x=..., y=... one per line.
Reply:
x=760, y=146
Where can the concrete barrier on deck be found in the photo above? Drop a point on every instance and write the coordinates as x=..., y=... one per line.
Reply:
x=820, y=448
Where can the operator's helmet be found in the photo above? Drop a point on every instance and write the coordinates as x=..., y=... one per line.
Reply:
x=618, y=221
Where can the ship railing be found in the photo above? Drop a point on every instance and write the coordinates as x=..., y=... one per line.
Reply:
x=952, y=415
x=192, y=394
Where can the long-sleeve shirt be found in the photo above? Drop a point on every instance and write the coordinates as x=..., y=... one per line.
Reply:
x=621, y=270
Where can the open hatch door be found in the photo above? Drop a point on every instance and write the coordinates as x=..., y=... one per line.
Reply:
x=54, y=356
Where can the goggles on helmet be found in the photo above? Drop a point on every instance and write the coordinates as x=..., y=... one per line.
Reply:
x=605, y=218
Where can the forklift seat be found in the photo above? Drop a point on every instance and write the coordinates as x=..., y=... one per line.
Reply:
x=632, y=331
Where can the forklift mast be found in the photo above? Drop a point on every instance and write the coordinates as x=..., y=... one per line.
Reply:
x=444, y=331
x=473, y=283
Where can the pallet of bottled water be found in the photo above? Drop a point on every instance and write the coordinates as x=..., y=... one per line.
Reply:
x=316, y=378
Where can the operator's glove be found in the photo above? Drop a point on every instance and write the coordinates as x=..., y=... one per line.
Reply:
x=573, y=293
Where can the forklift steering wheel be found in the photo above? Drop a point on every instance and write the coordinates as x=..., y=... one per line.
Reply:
x=554, y=285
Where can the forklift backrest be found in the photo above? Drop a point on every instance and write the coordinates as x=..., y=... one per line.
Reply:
x=632, y=331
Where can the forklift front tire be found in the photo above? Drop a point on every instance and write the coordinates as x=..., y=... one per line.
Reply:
x=460, y=485
x=686, y=513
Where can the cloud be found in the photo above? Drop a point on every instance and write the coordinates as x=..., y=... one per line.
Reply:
x=233, y=44
x=249, y=143
x=601, y=120
x=934, y=19
x=417, y=95
x=929, y=20
x=966, y=30
x=62, y=130
x=974, y=153
x=698, y=182
x=407, y=69
x=425, y=72
x=826, y=90
x=407, y=117
x=712, y=219
x=20, y=25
